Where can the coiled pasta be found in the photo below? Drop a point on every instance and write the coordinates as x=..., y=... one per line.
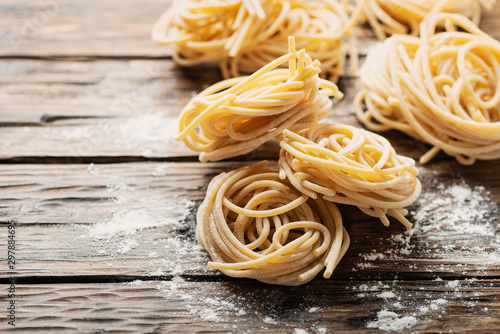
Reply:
x=348, y=165
x=387, y=17
x=442, y=88
x=255, y=225
x=237, y=115
x=244, y=35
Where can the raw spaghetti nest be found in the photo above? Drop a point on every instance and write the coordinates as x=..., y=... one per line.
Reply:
x=387, y=17
x=237, y=115
x=442, y=88
x=348, y=165
x=244, y=35
x=255, y=225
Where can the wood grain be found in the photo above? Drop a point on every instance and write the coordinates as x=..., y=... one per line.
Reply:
x=67, y=217
x=89, y=104
x=75, y=29
x=107, y=111
x=235, y=307
x=97, y=29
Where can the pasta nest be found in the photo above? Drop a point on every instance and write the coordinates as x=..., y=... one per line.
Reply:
x=442, y=88
x=244, y=35
x=348, y=165
x=255, y=225
x=237, y=115
x=387, y=17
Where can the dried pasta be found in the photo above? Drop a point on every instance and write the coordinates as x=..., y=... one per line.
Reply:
x=349, y=165
x=442, y=88
x=387, y=17
x=255, y=225
x=237, y=115
x=244, y=35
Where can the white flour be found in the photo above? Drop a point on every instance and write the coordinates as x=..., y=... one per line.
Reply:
x=390, y=321
x=216, y=302
x=125, y=223
x=174, y=255
x=149, y=131
x=151, y=127
x=457, y=210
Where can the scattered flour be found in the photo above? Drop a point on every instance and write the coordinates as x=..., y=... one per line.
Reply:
x=150, y=130
x=93, y=170
x=300, y=331
x=125, y=223
x=390, y=321
x=387, y=294
x=119, y=187
x=267, y=306
x=457, y=208
x=409, y=305
x=269, y=320
x=436, y=304
x=151, y=127
x=453, y=284
x=135, y=283
x=136, y=216
x=126, y=246
x=209, y=315
x=160, y=171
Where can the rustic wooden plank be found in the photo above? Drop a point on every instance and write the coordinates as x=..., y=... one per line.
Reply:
x=441, y=278
x=89, y=110
x=63, y=28
x=48, y=92
x=232, y=307
x=137, y=220
x=118, y=108
x=106, y=108
x=68, y=253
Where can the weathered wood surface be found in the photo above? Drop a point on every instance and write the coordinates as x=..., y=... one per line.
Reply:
x=107, y=29
x=80, y=29
x=93, y=109
x=107, y=108
x=68, y=217
x=92, y=29
x=88, y=85
x=247, y=307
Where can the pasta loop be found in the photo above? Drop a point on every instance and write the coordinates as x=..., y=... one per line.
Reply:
x=351, y=166
x=255, y=225
x=237, y=115
x=388, y=17
x=442, y=88
x=244, y=35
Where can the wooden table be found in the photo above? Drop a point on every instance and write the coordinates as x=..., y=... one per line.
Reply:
x=104, y=200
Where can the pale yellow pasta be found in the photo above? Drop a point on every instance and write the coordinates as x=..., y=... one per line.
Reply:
x=255, y=225
x=237, y=115
x=242, y=36
x=387, y=17
x=349, y=165
x=442, y=88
